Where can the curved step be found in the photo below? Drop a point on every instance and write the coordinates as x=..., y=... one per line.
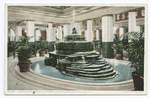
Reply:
x=98, y=72
x=98, y=76
x=89, y=70
x=97, y=69
x=102, y=78
x=86, y=72
x=95, y=66
x=79, y=65
x=87, y=67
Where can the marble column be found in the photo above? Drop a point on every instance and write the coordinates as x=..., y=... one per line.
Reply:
x=18, y=32
x=138, y=29
x=89, y=30
x=54, y=30
x=37, y=34
x=50, y=33
x=97, y=34
x=132, y=21
x=86, y=34
x=107, y=36
x=59, y=33
x=30, y=26
x=77, y=26
x=66, y=29
x=121, y=31
x=12, y=35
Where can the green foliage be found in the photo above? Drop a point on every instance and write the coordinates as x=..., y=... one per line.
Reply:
x=23, y=48
x=98, y=47
x=136, y=53
x=131, y=35
x=46, y=45
x=74, y=38
x=118, y=48
x=32, y=44
x=72, y=47
x=42, y=44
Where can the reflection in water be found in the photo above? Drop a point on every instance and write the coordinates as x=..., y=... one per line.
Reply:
x=37, y=68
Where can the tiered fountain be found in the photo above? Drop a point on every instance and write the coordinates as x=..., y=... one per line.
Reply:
x=75, y=56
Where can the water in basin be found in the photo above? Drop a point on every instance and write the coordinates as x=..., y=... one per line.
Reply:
x=124, y=73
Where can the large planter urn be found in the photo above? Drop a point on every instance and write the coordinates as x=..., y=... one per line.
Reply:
x=138, y=81
x=119, y=56
x=24, y=66
x=41, y=53
x=46, y=51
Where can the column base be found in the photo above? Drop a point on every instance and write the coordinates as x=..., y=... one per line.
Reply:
x=107, y=51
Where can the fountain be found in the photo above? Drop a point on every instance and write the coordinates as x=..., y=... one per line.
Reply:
x=75, y=56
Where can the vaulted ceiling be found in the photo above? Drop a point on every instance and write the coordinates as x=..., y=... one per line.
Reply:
x=17, y=15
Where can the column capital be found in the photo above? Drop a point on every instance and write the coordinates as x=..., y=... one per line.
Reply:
x=107, y=15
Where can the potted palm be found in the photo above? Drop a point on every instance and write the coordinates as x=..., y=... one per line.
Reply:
x=118, y=48
x=136, y=54
x=34, y=48
x=42, y=47
x=98, y=48
x=24, y=52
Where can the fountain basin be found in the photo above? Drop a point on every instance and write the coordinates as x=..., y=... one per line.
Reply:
x=124, y=73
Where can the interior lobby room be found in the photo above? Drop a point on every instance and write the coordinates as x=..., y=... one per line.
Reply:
x=86, y=48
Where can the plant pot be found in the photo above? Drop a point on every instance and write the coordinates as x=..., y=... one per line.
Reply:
x=24, y=66
x=41, y=53
x=46, y=51
x=119, y=56
x=138, y=81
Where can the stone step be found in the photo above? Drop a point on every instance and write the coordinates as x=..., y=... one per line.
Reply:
x=97, y=69
x=79, y=65
x=99, y=78
x=87, y=67
x=88, y=70
x=95, y=66
x=98, y=75
x=85, y=72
